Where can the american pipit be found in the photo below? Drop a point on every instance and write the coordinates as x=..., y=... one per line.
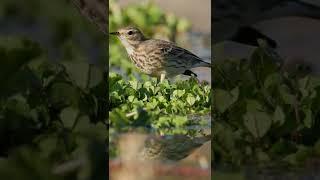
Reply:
x=156, y=57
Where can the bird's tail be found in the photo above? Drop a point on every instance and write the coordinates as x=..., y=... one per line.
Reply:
x=204, y=64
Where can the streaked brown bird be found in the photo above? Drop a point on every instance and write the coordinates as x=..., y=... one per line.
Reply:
x=156, y=57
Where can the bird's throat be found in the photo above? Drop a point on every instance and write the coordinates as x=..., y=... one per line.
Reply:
x=129, y=46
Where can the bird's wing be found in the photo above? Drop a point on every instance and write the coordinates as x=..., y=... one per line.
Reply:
x=95, y=11
x=181, y=56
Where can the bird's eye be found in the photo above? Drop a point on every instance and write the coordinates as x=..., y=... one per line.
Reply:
x=130, y=33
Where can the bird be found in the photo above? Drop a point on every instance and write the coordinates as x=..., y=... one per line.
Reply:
x=158, y=58
x=171, y=147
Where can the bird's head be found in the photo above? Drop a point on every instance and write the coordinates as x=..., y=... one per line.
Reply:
x=129, y=35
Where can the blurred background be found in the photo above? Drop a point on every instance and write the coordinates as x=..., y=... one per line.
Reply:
x=201, y=20
x=53, y=94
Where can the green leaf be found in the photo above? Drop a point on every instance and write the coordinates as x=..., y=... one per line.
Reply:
x=134, y=84
x=68, y=116
x=308, y=118
x=180, y=120
x=224, y=99
x=178, y=93
x=286, y=96
x=300, y=156
x=262, y=156
x=95, y=76
x=64, y=94
x=291, y=159
x=254, y=105
x=258, y=123
x=18, y=104
x=303, y=153
x=224, y=135
x=190, y=99
x=131, y=98
x=303, y=82
x=282, y=147
x=272, y=79
x=78, y=72
x=279, y=116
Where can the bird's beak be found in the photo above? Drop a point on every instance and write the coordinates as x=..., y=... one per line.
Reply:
x=115, y=33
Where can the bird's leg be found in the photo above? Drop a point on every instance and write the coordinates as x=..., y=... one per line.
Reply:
x=162, y=76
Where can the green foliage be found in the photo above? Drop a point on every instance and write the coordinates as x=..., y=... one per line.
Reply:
x=263, y=114
x=163, y=107
x=150, y=19
x=49, y=111
x=52, y=113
